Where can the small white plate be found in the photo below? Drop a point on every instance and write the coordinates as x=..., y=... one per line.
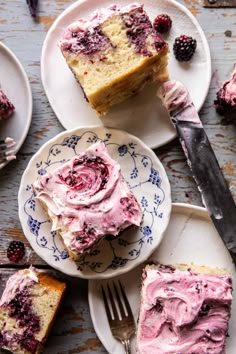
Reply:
x=144, y=174
x=15, y=84
x=190, y=238
x=142, y=115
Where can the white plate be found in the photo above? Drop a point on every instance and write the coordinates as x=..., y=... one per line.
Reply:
x=142, y=115
x=190, y=237
x=146, y=177
x=15, y=84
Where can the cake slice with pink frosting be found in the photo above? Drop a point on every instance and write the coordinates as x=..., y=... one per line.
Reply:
x=87, y=198
x=28, y=307
x=184, y=310
x=114, y=53
x=6, y=107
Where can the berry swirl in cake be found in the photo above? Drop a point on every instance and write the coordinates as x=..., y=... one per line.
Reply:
x=184, y=310
x=114, y=53
x=87, y=198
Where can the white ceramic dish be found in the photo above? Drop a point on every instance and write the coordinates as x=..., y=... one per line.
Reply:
x=146, y=177
x=15, y=84
x=142, y=115
x=190, y=237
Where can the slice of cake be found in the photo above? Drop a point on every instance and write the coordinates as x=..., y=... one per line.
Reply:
x=86, y=199
x=226, y=96
x=114, y=53
x=6, y=107
x=183, y=310
x=28, y=307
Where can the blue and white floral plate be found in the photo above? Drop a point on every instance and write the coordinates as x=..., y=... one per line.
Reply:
x=144, y=174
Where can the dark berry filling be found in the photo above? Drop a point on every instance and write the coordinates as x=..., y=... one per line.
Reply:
x=28, y=342
x=20, y=308
x=6, y=107
x=139, y=27
x=89, y=42
x=94, y=163
x=158, y=307
x=204, y=310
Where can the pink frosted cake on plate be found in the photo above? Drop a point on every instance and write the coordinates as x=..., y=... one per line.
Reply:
x=6, y=107
x=184, y=309
x=114, y=53
x=28, y=307
x=87, y=199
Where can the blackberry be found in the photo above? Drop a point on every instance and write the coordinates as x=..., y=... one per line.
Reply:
x=162, y=23
x=15, y=251
x=184, y=47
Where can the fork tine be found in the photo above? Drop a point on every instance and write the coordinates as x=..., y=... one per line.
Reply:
x=113, y=306
x=127, y=305
x=8, y=142
x=106, y=305
x=5, y=153
x=120, y=305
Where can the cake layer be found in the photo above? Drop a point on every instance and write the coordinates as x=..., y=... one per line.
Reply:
x=87, y=198
x=6, y=107
x=183, y=310
x=28, y=307
x=114, y=54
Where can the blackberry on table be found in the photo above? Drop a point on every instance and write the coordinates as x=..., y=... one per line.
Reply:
x=15, y=251
x=162, y=23
x=184, y=47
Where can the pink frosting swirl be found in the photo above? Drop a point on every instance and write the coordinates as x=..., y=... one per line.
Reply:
x=183, y=311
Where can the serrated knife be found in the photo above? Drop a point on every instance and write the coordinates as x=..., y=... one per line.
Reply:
x=202, y=161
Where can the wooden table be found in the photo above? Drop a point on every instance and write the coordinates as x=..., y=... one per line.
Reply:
x=73, y=332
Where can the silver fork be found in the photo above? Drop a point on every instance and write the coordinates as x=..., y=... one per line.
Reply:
x=6, y=153
x=123, y=326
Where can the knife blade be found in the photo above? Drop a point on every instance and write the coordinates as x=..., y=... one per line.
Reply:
x=216, y=196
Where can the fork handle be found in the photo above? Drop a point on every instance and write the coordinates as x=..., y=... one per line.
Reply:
x=126, y=344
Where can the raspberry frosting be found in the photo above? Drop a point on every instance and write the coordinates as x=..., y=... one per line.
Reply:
x=85, y=36
x=6, y=107
x=17, y=282
x=183, y=312
x=226, y=96
x=87, y=198
x=75, y=38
